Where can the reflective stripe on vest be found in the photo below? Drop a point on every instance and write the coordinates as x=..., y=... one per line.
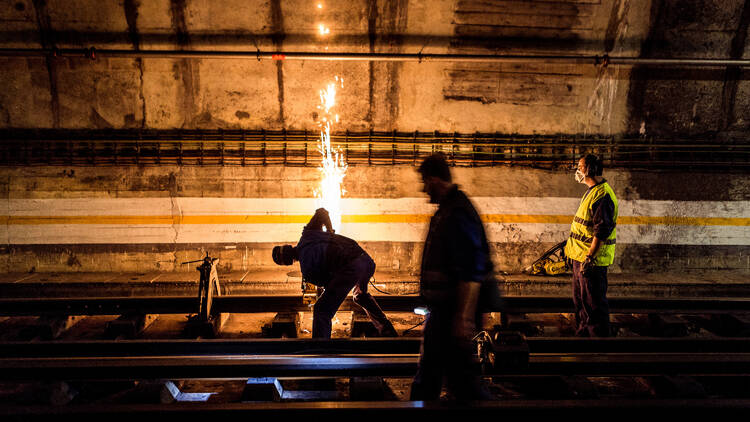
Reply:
x=588, y=240
x=582, y=233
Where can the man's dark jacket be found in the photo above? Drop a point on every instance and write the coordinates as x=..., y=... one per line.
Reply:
x=321, y=253
x=456, y=250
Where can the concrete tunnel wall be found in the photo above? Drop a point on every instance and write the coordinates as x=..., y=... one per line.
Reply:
x=246, y=93
x=145, y=219
x=524, y=98
x=152, y=218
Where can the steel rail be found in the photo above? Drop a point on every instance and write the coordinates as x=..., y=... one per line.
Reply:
x=245, y=366
x=255, y=304
x=206, y=366
x=516, y=408
x=226, y=347
x=354, y=346
x=603, y=60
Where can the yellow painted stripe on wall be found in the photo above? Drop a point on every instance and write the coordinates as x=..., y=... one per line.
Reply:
x=386, y=218
x=90, y=219
x=157, y=219
x=245, y=219
x=684, y=221
x=526, y=218
x=371, y=218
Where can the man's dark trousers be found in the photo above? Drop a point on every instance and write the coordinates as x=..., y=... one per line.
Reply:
x=445, y=355
x=590, y=301
x=355, y=274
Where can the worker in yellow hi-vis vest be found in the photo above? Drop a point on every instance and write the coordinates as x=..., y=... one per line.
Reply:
x=591, y=248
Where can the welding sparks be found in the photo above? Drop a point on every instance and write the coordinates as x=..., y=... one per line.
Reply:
x=333, y=165
x=328, y=98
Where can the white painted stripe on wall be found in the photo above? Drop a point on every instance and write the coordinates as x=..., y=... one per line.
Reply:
x=399, y=232
x=90, y=206
x=716, y=209
x=208, y=206
x=304, y=206
x=502, y=232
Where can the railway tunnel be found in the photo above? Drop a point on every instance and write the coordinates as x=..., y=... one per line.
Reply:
x=139, y=137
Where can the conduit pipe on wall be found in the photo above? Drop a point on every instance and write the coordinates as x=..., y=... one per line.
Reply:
x=94, y=53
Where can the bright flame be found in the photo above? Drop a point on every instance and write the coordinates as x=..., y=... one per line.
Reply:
x=328, y=98
x=320, y=5
x=324, y=30
x=333, y=165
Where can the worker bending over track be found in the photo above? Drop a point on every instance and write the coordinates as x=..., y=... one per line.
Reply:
x=338, y=264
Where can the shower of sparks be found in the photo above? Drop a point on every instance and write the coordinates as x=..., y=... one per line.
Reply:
x=328, y=98
x=333, y=165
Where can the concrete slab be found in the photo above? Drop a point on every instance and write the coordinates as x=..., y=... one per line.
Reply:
x=262, y=389
x=668, y=325
x=677, y=386
x=312, y=389
x=246, y=325
x=50, y=328
x=16, y=277
x=362, y=325
x=581, y=387
x=88, y=328
x=167, y=326
x=145, y=277
x=282, y=281
x=522, y=323
x=129, y=326
x=284, y=275
x=59, y=277
x=284, y=324
x=171, y=393
x=368, y=388
x=195, y=327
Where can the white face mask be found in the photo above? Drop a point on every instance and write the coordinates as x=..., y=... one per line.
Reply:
x=580, y=176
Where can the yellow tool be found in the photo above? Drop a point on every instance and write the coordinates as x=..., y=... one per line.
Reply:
x=552, y=262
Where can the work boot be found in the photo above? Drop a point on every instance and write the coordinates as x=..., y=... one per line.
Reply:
x=377, y=316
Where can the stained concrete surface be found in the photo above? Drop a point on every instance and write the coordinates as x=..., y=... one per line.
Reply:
x=700, y=283
x=680, y=105
x=520, y=98
x=162, y=192
x=464, y=97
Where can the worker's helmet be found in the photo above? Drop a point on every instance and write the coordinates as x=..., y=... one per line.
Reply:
x=283, y=255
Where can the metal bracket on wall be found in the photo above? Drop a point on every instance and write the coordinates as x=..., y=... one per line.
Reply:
x=290, y=148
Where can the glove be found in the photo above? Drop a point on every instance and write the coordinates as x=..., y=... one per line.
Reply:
x=588, y=264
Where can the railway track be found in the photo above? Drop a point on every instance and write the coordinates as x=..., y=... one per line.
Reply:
x=553, y=384
x=336, y=410
x=356, y=346
x=254, y=304
x=540, y=361
x=139, y=359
